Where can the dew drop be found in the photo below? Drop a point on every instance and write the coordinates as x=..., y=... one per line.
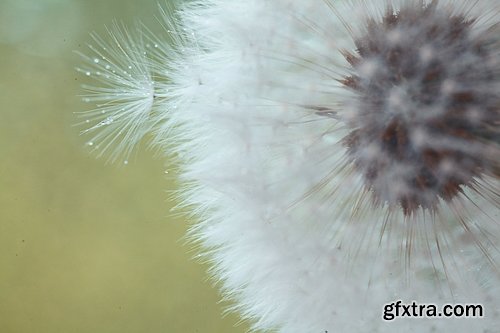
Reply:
x=90, y=143
x=96, y=61
x=125, y=162
x=108, y=121
x=87, y=73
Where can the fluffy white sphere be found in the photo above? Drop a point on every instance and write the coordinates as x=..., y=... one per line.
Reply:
x=337, y=155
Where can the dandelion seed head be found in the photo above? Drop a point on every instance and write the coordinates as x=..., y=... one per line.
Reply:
x=335, y=155
x=426, y=92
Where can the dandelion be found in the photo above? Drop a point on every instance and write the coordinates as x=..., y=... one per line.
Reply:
x=125, y=95
x=337, y=155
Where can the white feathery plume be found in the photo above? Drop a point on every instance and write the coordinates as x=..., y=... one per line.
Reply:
x=337, y=155
x=124, y=95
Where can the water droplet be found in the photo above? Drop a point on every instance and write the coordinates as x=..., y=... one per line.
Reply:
x=87, y=121
x=125, y=162
x=87, y=73
x=108, y=67
x=129, y=67
x=90, y=143
x=108, y=121
x=156, y=45
x=96, y=61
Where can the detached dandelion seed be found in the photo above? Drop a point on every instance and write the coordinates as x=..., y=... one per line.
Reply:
x=337, y=155
x=125, y=95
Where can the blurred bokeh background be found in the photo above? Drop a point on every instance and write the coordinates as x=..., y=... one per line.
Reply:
x=85, y=246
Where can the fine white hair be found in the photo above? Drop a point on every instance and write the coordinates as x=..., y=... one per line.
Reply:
x=252, y=101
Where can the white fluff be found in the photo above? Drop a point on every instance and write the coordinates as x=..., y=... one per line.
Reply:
x=293, y=236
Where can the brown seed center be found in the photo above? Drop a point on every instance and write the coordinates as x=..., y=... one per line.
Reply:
x=425, y=113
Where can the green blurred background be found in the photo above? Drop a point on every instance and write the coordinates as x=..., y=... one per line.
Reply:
x=85, y=246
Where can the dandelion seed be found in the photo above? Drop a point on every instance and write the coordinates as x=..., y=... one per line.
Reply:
x=124, y=96
x=337, y=155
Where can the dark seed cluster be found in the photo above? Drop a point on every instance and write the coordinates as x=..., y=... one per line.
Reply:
x=425, y=117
